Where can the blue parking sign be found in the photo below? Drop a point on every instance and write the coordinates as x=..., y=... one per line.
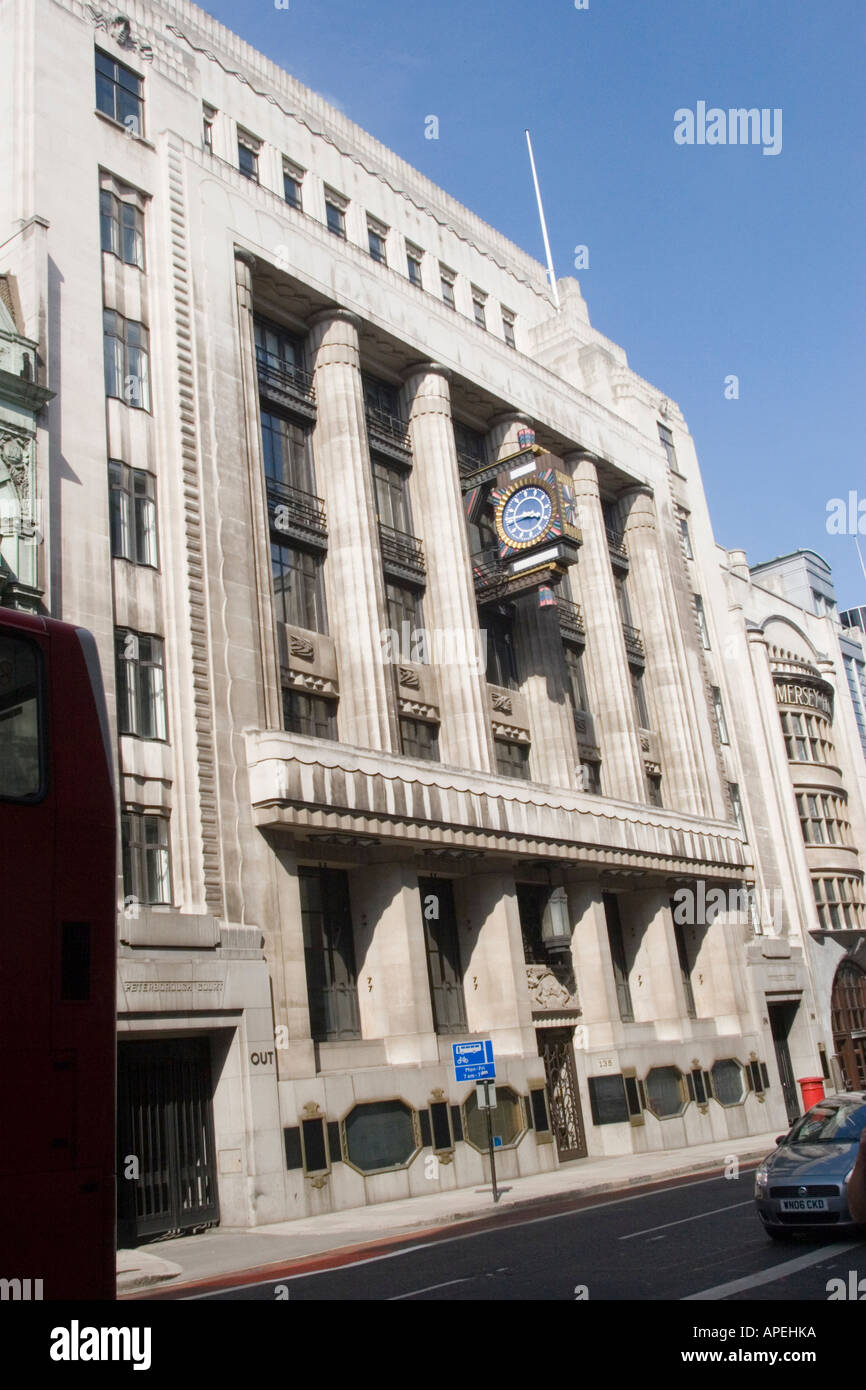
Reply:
x=473, y=1061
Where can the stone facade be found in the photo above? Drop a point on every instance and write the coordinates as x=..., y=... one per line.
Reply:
x=374, y=798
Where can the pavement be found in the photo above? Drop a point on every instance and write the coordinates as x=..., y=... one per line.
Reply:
x=338, y=1237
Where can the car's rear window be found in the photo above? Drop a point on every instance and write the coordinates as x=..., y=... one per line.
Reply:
x=833, y=1123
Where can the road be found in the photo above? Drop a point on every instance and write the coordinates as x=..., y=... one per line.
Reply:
x=697, y=1239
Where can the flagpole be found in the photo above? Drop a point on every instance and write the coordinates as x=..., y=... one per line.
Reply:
x=550, y=270
x=860, y=553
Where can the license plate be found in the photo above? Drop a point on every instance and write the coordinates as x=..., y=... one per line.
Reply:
x=804, y=1204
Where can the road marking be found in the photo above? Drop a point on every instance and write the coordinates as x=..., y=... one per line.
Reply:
x=769, y=1276
x=395, y=1298
x=450, y=1240
x=683, y=1219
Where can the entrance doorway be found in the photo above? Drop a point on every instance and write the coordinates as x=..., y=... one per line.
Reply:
x=556, y=1048
x=165, y=1124
x=781, y=1021
x=848, y=1012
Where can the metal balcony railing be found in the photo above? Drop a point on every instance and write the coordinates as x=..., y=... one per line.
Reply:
x=401, y=553
x=284, y=383
x=295, y=513
x=616, y=545
x=633, y=641
x=571, y=622
x=387, y=430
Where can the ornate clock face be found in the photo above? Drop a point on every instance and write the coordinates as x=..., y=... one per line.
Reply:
x=526, y=515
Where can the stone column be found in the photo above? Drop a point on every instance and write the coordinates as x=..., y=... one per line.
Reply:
x=284, y=950
x=503, y=431
x=591, y=960
x=259, y=530
x=608, y=677
x=494, y=969
x=684, y=781
x=449, y=601
x=655, y=984
x=355, y=588
x=393, y=984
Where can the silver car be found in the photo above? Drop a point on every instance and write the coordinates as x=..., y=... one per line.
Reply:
x=802, y=1186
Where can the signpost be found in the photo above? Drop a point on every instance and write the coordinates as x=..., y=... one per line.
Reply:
x=473, y=1061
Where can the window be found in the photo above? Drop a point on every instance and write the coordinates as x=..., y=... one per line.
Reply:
x=719, y=712
x=404, y=606
x=823, y=819
x=299, y=595
x=728, y=1085
x=840, y=903
x=446, y=281
x=140, y=684
x=377, y=234
x=335, y=212
x=469, y=444
x=807, y=739
x=667, y=443
x=420, y=739
x=208, y=116
x=287, y=453
x=703, y=630
x=444, y=967
x=640, y=704
x=683, y=956
x=479, y=306
x=508, y=1120
x=575, y=683
x=618, y=958
x=654, y=789
x=132, y=508
x=329, y=954
x=248, y=156
x=293, y=179
x=686, y=539
x=118, y=93
x=313, y=715
x=512, y=759
x=508, y=326
x=665, y=1092
x=146, y=862
x=414, y=257
x=381, y=1135
x=121, y=226
x=737, y=805
x=501, y=659
x=22, y=750
x=590, y=772
x=127, y=362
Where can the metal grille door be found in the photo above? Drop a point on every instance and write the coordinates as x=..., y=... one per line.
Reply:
x=556, y=1048
x=165, y=1123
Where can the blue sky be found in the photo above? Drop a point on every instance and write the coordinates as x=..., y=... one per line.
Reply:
x=704, y=261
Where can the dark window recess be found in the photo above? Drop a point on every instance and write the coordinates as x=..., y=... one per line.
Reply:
x=334, y=1141
x=443, y=955
x=633, y=1095
x=426, y=1131
x=294, y=1157
x=696, y=1082
x=641, y=1090
x=315, y=1153
x=75, y=961
x=618, y=957
x=456, y=1123
x=607, y=1100
x=765, y=1076
x=540, y=1117
x=758, y=1077
x=685, y=969
x=441, y=1128
x=825, y=1069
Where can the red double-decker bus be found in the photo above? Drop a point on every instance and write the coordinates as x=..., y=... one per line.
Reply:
x=57, y=964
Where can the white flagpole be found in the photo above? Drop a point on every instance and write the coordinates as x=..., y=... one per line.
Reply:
x=860, y=553
x=550, y=271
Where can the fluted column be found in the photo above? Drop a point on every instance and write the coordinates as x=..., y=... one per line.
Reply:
x=449, y=602
x=259, y=536
x=608, y=676
x=355, y=587
x=684, y=781
x=502, y=433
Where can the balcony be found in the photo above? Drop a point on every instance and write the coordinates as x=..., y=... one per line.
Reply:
x=281, y=383
x=298, y=515
x=617, y=548
x=571, y=623
x=388, y=435
x=633, y=642
x=468, y=464
x=488, y=576
x=402, y=555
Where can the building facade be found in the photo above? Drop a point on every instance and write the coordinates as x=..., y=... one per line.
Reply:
x=414, y=633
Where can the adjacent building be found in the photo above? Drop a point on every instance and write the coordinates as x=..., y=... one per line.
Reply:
x=430, y=691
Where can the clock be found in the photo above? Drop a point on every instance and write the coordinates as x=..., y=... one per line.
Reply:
x=526, y=515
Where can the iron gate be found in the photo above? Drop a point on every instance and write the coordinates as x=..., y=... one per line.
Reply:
x=165, y=1122
x=557, y=1051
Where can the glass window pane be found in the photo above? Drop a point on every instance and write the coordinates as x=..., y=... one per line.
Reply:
x=380, y=1135
x=664, y=1094
x=21, y=751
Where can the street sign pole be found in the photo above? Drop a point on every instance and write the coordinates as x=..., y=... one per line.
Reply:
x=490, y=1150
